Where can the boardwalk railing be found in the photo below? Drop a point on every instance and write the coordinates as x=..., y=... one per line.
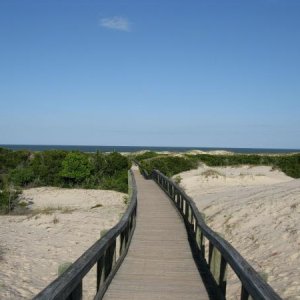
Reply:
x=108, y=253
x=216, y=251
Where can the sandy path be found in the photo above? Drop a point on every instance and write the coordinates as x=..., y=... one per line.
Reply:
x=258, y=212
x=34, y=246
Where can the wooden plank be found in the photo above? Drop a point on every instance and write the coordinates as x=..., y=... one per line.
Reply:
x=69, y=284
x=159, y=263
x=250, y=279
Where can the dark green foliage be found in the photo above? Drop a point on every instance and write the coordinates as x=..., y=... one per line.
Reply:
x=76, y=167
x=8, y=199
x=3, y=182
x=11, y=159
x=169, y=165
x=118, y=182
x=146, y=155
x=60, y=168
x=4, y=201
x=47, y=166
x=21, y=176
x=115, y=162
x=8, y=195
x=100, y=164
x=289, y=164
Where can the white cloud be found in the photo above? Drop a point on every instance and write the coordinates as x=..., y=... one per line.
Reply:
x=117, y=23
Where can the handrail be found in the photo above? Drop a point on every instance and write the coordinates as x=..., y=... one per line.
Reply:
x=103, y=252
x=143, y=171
x=220, y=252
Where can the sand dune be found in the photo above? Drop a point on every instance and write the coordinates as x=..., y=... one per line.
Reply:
x=61, y=226
x=257, y=210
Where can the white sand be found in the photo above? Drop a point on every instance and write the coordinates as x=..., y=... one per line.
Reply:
x=258, y=211
x=35, y=245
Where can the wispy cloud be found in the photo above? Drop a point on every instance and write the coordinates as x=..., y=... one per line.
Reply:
x=116, y=23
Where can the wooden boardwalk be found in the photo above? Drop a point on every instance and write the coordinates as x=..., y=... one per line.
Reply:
x=159, y=263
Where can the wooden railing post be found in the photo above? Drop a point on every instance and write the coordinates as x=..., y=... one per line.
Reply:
x=202, y=243
x=186, y=210
x=181, y=204
x=109, y=259
x=222, y=275
x=210, y=252
x=244, y=294
x=77, y=292
x=177, y=199
x=100, y=272
x=198, y=239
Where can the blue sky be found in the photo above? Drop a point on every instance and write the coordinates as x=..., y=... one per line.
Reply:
x=162, y=73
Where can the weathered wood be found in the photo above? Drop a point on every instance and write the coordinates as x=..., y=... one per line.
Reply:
x=252, y=283
x=244, y=294
x=69, y=284
x=103, y=252
x=159, y=263
x=210, y=253
x=100, y=272
x=76, y=293
x=222, y=277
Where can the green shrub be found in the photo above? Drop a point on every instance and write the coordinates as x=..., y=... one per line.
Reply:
x=60, y=168
x=118, y=182
x=8, y=199
x=75, y=167
x=22, y=176
x=146, y=155
x=100, y=164
x=289, y=164
x=177, y=179
x=115, y=162
x=12, y=159
x=47, y=166
x=169, y=165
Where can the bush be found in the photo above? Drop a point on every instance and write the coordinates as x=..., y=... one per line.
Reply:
x=75, y=167
x=118, y=182
x=146, y=155
x=100, y=164
x=12, y=159
x=60, y=168
x=8, y=199
x=289, y=164
x=47, y=166
x=169, y=165
x=115, y=162
x=22, y=176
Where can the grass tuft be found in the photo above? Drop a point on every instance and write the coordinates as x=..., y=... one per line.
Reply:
x=211, y=173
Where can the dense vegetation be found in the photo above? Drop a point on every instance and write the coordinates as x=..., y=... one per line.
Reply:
x=21, y=169
x=171, y=165
x=146, y=155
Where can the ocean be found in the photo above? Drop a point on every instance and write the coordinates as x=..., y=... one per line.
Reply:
x=139, y=148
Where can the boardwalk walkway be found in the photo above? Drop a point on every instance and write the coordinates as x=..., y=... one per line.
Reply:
x=159, y=263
